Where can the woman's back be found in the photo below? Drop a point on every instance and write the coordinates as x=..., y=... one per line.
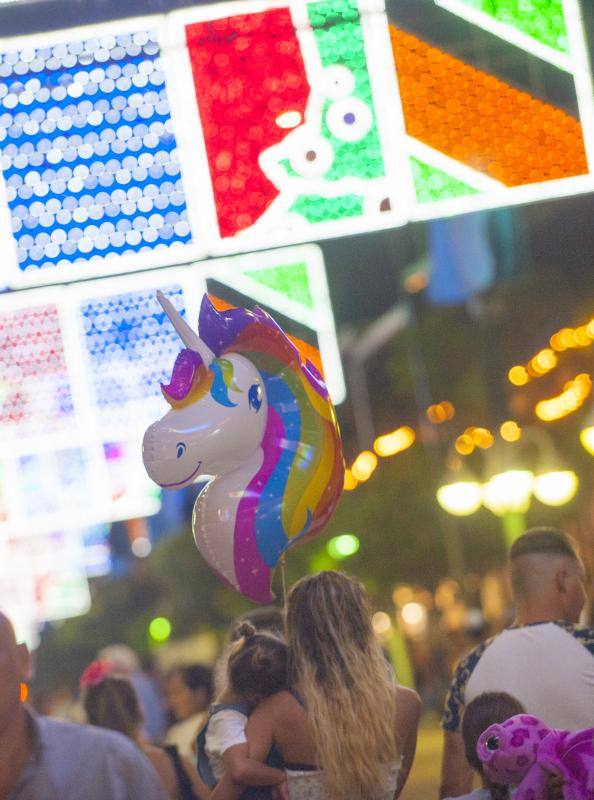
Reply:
x=283, y=719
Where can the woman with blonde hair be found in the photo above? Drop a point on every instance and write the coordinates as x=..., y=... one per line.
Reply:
x=345, y=730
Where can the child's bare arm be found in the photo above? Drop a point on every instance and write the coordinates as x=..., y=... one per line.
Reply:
x=247, y=771
x=226, y=789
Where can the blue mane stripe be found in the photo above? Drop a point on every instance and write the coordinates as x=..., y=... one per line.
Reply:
x=270, y=534
x=218, y=390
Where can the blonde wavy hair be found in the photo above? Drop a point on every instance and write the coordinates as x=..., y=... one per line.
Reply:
x=337, y=664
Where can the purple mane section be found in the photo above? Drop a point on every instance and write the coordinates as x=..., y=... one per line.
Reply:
x=182, y=378
x=219, y=330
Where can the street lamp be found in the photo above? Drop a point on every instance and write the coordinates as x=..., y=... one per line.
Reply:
x=460, y=493
x=556, y=488
x=508, y=488
x=461, y=498
x=508, y=492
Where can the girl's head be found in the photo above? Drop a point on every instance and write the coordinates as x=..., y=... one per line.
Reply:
x=111, y=702
x=189, y=690
x=257, y=666
x=337, y=663
x=486, y=709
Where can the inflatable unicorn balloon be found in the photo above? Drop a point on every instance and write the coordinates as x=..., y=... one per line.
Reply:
x=246, y=411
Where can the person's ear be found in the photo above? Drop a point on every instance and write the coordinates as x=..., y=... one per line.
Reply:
x=561, y=577
x=24, y=662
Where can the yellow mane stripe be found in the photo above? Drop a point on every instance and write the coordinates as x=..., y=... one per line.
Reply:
x=316, y=484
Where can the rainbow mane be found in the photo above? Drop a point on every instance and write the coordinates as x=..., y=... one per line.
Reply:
x=303, y=469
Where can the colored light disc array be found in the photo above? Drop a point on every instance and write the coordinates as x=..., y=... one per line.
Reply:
x=541, y=19
x=130, y=346
x=249, y=76
x=55, y=481
x=35, y=394
x=88, y=152
x=481, y=121
x=432, y=184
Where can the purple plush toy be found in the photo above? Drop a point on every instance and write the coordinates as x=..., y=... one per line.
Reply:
x=524, y=752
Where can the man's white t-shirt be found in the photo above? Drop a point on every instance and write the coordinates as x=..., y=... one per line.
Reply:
x=548, y=667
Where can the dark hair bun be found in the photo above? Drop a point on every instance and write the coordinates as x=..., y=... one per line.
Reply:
x=246, y=629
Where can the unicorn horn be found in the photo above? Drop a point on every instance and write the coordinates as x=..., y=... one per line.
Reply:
x=191, y=339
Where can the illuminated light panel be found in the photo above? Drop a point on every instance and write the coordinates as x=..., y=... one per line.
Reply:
x=89, y=156
x=537, y=26
x=460, y=111
x=322, y=63
x=433, y=184
x=36, y=394
x=130, y=346
x=48, y=571
x=101, y=348
x=293, y=282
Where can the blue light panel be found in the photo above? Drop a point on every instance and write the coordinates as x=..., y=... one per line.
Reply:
x=88, y=152
x=131, y=347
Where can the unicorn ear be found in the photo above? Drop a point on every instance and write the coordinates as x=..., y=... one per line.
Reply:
x=191, y=339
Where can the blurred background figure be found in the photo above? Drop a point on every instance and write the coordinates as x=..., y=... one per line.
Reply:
x=110, y=701
x=128, y=663
x=188, y=692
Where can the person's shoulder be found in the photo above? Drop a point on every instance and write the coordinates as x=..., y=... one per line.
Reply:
x=72, y=737
x=469, y=661
x=407, y=700
x=279, y=704
x=581, y=633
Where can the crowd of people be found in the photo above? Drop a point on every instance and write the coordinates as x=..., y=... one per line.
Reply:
x=306, y=705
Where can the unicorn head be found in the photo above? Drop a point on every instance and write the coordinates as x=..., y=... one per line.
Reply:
x=217, y=416
x=246, y=410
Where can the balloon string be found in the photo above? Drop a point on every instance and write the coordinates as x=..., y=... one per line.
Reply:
x=284, y=578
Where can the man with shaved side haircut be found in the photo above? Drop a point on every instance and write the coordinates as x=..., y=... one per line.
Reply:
x=43, y=759
x=545, y=659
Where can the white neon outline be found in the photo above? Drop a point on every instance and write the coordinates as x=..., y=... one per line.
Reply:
x=457, y=169
x=514, y=196
x=507, y=32
x=320, y=318
x=98, y=266
x=576, y=32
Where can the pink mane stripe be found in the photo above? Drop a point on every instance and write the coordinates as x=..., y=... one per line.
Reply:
x=255, y=582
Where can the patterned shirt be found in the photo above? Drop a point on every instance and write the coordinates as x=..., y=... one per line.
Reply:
x=547, y=666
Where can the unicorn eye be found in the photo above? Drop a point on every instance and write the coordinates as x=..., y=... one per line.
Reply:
x=255, y=396
x=181, y=449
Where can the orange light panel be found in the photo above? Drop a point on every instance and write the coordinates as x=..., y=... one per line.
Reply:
x=482, y=121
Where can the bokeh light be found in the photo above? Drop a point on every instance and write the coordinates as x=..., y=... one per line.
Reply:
x=556, y=488
x=343, y=546
x=364, y=465
x=461, y=498
x=160, y=629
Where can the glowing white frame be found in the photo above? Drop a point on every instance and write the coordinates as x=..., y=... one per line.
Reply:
x=505, y=196
x=100, y=266
x=267, y=232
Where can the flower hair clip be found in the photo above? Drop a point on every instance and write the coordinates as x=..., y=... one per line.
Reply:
x=95, y=673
